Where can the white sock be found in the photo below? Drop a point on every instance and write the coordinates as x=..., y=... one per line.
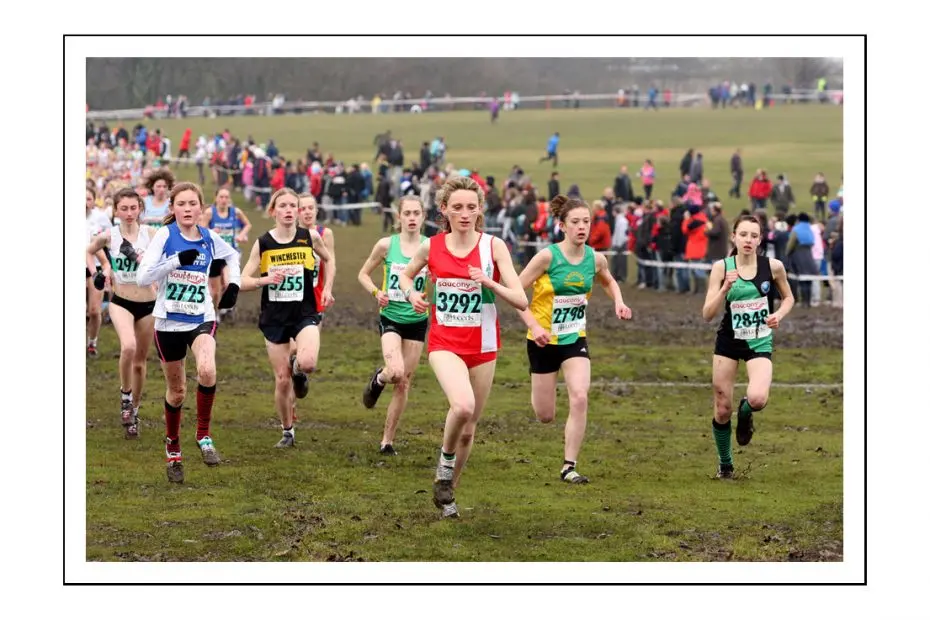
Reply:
x=124, y=396
x=288, y=431
x=92, y=341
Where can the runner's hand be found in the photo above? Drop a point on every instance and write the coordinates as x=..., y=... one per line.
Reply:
x=128, y=251
x=730, y=279
x=420, y=305
x=479, y=276
x=540, y=336
x=383, y=299
x=773, y=321
x=230, y=295
x=99, y=280
x=187, y=257
x=273, y=278
x=623, y=311
x=327, y=299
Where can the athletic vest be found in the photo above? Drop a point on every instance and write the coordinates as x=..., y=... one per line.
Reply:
x=399, y=309
x=319, y=272
x=463, y=317
x=560, y=296
x=748, y=304
x=184, y=291
x=225, y=227
x=154, y=216
x=124, y=270
x=293, y=299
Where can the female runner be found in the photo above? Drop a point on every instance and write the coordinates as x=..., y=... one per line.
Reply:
x=402, y=329
x=132, y=305
x=285, y=256
x=178, y=260
x=158, y=202
x=232, y=225
x=467, y=268
x=562, y=277
x=743, y=285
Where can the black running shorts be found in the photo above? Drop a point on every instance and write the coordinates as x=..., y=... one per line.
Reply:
x=548, y=359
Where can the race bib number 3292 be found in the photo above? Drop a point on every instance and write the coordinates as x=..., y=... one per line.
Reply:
x=458, y=302
x=749, y=318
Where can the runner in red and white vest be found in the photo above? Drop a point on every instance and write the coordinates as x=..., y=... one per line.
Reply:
x=468, y=270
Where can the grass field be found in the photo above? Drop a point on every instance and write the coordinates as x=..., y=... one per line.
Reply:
x=649, y=450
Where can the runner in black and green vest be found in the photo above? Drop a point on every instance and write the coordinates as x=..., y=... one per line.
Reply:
x=562, y=277
x=403, y=331
x=743, y=285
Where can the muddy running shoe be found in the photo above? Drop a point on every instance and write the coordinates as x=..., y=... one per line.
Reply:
x=300, y=379
x=450, y=511
x=443, y=493
x=744, y=427
x=725, y=472
x=92, y=350
x=287, y=441
x=175, y=467
x=387, y=450
x=126, y=413
x=573, y=477
x=372, y=390
x=210, y=456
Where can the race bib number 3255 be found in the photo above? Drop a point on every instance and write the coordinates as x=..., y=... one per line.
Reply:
x=458, y=302
x=291, y=288
x=749, y=318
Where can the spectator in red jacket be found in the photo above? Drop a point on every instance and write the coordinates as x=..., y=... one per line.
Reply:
x=278, y=177
x=760, y=189
x=694, y=227
x=600, y=228
x=185, y=146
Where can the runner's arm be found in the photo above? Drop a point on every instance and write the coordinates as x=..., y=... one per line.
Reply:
x=155, y=266
x=605, y=278
x=329, y=239
x=716, y=292
x=509, y=288
x=378, y=253
x=319, y=246
x=246, y=224
x=780, y=275
x=248, y=282
x=532, y=272
x=226, y=252
x=419, y=261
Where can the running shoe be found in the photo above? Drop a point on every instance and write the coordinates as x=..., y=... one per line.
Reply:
x=300, y=379
x=573, y=477
x=443, y=493
x=387, y=450
x=210, y=456
x=725, y=472
x=287, y=441
x=744, y=427
x=450, y=511
x=125, y=412
x=372, y=390
x=175, y=467
x=92, y=350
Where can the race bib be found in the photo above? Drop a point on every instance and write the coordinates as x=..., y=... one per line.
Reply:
x=291, y=288
x=124, y=270
x=749, y=318
x=229, y=238
x=186, y=292
x=458, y=302
x=568, y=314
x=394, y=292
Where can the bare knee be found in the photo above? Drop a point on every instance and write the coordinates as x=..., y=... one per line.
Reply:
x=175, y=395
x=206, y=372
x=139, y=365
x=545, y=413
x=578, y=402
x=394, y=373
x=464, y=409
x=282, y=379
x=403, y=385
x=306, y=362
x=757, y=400
x=723, y=405
x=94, y=313
x=127, y=350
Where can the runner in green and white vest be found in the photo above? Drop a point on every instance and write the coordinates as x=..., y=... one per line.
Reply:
x=744, y=285
x=402, y=329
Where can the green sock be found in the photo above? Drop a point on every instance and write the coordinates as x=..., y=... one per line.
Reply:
x=447, y=459
x=722, y=439
x=744, y=408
